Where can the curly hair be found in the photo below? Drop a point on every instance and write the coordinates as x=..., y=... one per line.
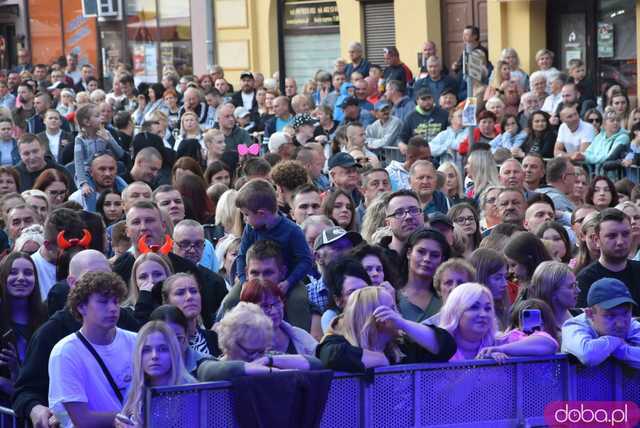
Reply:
x=289, y=174
x=104, y=283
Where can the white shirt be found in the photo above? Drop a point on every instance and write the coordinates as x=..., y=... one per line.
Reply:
x=54, y=143
x=76, y=376
x=551, y=103
x=572, y=140
x=46, y=274
x=247, y=100
x=6, y=147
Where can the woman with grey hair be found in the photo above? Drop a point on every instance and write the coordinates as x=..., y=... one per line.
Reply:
x=245, y=337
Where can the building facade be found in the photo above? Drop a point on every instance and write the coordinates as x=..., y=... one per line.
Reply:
x=306, y=35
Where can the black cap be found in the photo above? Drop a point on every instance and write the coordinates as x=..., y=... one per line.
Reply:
x=332, y=234
x=350, y=101
x=424, y=92
x=246, y=74
x=342, y=159
x=438, y=217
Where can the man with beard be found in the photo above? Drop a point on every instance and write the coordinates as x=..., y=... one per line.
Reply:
x=404, y=216
x=512, y=206
x=103, y=171
x=246, y=96
x=613, y=236
x=26, y=110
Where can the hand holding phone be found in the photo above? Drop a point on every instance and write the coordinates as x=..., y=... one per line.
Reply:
x=531, y=320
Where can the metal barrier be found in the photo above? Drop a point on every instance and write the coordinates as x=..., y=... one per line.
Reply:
x=476, y=393
x=8, y=419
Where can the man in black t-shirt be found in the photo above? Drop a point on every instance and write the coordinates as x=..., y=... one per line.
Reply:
x=613, y=236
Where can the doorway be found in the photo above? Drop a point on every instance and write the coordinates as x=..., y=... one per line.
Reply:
x=457, y=14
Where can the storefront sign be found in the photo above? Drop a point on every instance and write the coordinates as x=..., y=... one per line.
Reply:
x=310, y=15
x=605, y=40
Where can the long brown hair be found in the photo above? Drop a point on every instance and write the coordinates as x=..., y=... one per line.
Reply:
x=198, y=206
x=37, y=313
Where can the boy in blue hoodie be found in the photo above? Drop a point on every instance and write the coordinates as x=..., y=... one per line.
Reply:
x=258, y=203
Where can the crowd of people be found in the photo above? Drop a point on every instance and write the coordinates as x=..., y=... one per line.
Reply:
x=180, y=231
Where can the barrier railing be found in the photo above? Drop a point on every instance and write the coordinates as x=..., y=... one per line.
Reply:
x=476, y=393
x=8, y=419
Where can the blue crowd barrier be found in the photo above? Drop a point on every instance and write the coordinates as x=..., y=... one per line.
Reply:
x=478, y=393
x=8, y=419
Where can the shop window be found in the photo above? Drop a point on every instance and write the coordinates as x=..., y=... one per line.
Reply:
x=159, y=35
x=616, y=42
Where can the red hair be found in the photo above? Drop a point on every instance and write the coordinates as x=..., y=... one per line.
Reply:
x=255, y=290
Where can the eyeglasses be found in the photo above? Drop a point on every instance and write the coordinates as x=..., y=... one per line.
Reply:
x=251, y=354
x=594, y=120
x=401, y=212
x=463, y=220
x=185, y=245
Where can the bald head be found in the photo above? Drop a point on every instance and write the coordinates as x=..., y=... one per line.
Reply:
x=86, y=261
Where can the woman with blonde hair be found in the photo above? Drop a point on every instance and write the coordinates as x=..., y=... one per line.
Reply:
x=482, y=169
x=554, y=283
x=468, y=315
x=375, y=217
x=228, y=216
x=501, y=73
x=454, y=181
x=372, y=333
x=189, y=130
x=633, y=211
x=148, y=270
x=510, y=56
x=157, y=361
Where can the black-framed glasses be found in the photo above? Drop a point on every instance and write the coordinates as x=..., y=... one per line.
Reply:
x=463, y=220
x=594, y=120
x=401, y=212
x=185, y=245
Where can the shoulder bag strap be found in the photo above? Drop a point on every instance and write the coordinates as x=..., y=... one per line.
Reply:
x=104, y=368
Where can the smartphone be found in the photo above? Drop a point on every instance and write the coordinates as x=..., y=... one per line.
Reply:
x=531, y=320
x=124, y=419
x=8, y=337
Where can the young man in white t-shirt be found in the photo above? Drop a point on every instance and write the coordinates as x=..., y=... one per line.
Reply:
x=80, y=393
x=574, y=135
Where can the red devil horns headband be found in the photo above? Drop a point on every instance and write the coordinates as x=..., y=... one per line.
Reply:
x=64, y=243
x=163, y=249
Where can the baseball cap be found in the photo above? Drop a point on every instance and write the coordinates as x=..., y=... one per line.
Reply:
x=438, y=217
x=335, y=233
x=276, y=140
x=349, y=101
x=381, y=105
x=301, y=120
x=424, y=92
x=246, y=74
x=609, y=293
x=342, y=159
x=240, y=112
